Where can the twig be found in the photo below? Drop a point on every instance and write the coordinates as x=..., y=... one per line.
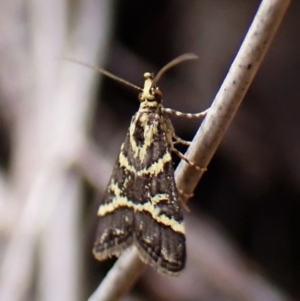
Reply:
x=223, y=109
x=232, y=91
x=120, y=278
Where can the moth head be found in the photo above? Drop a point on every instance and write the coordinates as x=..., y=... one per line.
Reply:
x=150, y=92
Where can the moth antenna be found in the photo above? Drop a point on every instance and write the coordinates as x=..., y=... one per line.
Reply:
x=178, y=60
x=102, y=71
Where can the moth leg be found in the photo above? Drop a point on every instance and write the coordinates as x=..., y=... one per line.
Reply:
x=186, y=115
x=185, y=194
x=181, y=141
x=183, y=197
x=183, y=157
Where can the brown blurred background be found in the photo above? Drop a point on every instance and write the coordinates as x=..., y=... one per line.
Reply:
x=61, y=127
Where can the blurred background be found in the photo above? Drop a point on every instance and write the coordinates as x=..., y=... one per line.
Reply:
x=61, y=127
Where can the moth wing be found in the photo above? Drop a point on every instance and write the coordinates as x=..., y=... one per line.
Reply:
x=141, y=203
x=158, y=221
x=116, y=216
x=159, y=229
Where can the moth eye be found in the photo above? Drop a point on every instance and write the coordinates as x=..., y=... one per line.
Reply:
x=158, y=95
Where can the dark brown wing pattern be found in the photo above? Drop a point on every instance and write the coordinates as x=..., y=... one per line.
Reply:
x=141, y=203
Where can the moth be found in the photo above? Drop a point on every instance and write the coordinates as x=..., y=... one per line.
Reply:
x=141, y=205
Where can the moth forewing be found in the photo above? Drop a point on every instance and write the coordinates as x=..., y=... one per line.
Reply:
x=141, y=204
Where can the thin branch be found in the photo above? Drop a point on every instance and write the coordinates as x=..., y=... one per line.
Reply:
x=208, y=137
x=120, y=278
x=232, y=91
